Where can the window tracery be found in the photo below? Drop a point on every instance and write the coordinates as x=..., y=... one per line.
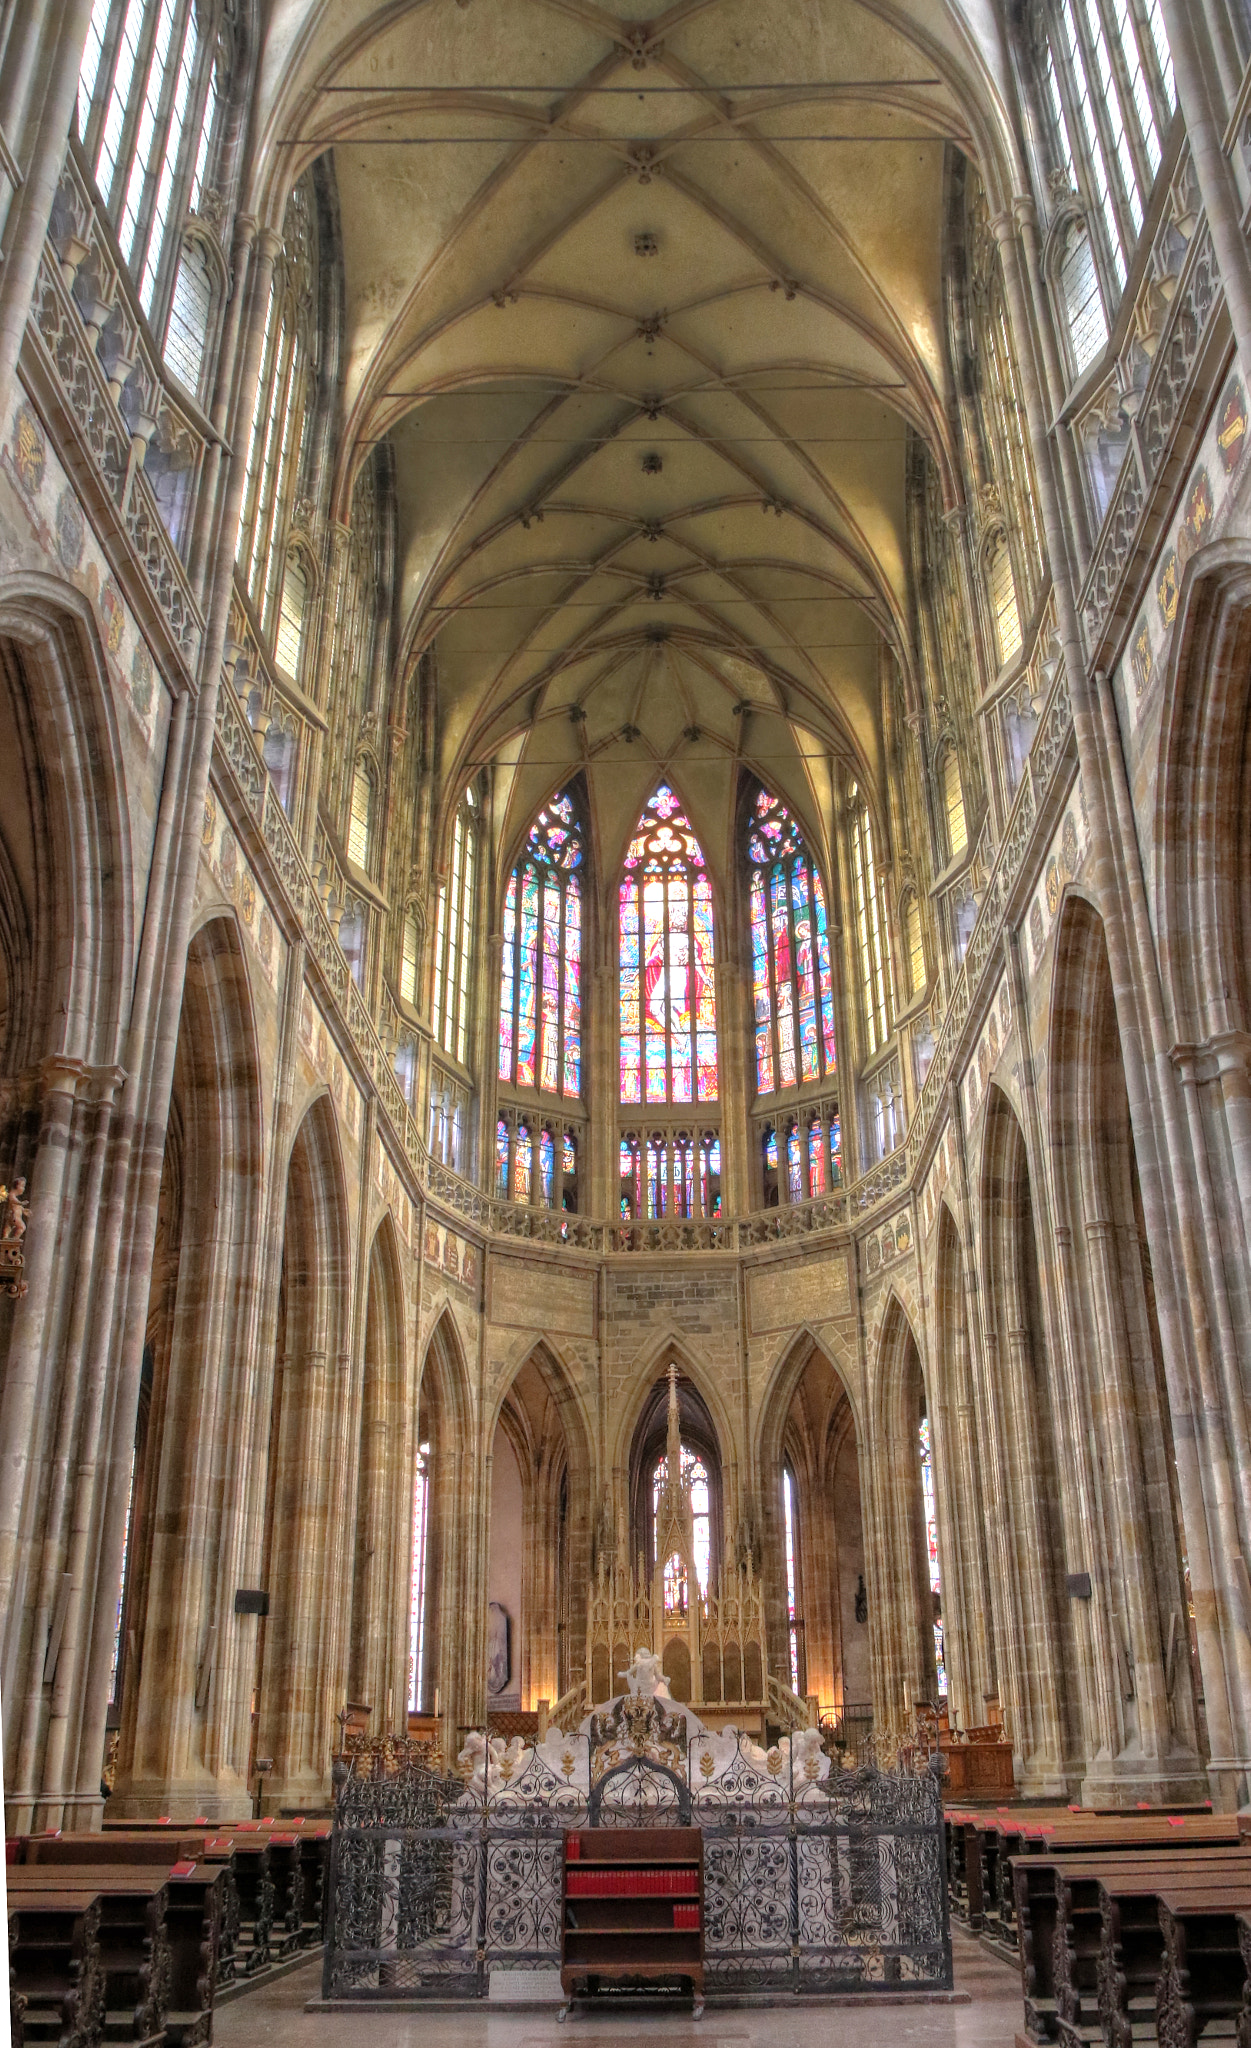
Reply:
x=274, y=457
x=872, y=938
x=694, y=1472
x=144, y=115
x=453, y=939
x=793, y=989
x=1109, y=94
x=541, y=972
x=667, y=967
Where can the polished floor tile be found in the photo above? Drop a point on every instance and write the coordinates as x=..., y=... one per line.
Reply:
x=274, y=2017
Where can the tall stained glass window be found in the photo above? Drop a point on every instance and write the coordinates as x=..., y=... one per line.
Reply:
x=453, y=942
x=790, y=945
x=417, y=1578
x=872, y=940
x=695, y=1477
x=668, y=994
x=931, y=1549
x=540, y=980
x=793, y=1621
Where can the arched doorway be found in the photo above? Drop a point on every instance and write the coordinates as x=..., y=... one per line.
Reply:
x=905, y=1587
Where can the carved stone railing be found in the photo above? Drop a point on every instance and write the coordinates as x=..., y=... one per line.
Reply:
x=1051, y=742
x=1192, y=298
x=114, y=448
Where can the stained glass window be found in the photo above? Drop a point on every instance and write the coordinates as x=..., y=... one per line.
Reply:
x=115, y=1668
x=547, y=1167
x=792, y=1577
x=873, y=944
x=790, y=944
x=417, y=1581
x=540, y=985
x=501, y=1159
x=453, y=942
x=521, y=1166
x=695, y=1477
x=931, y=1549
x=668, y=995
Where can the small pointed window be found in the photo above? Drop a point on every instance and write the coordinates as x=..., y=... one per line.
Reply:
x=872, y=939
x=361, y=823
x=1084, y=316
x=953, y=805
x=453, y=939
x=186, y=335
x=408, y=958
x=916, y=946
x=1003, y=604
x=290, y=640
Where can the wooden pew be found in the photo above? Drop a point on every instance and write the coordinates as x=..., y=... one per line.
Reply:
x=1090, y=1834
x=54, y=1957
x=1202, y=1989
x=131, y=1941
x=1071, y=1912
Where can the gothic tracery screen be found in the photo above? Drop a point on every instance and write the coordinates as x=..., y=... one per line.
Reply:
x=668, y=998
x=790, y=944
x=540, y=985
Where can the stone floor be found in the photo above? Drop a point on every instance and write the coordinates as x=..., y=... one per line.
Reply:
x=275, y=2018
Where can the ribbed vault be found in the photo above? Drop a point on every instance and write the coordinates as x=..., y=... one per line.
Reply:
x=646, y=308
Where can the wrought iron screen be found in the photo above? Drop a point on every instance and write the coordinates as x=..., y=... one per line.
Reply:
x=812, y=1884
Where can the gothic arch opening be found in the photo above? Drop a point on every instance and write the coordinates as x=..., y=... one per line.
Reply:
x=812, y=1526
x=303, y=1643
x=377, y=1673
x=905, y=1605
x=1038, y=1651
x=539, y=1549
x=1146, y=1713
x=446, y=1592
x=192, y=1432
x=968, y=1614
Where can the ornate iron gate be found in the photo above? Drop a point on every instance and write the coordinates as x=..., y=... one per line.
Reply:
x=811, y=1884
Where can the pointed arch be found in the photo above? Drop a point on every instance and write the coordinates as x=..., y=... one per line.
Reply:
x=541, y=1417
x=956, y=1397
x=380, y=1592
x=1020, y=1433
x=667, y=961
x=903, y=1611
x=304, y=1650
x=1139, y=1595
x=192, y=1424
x=814, y=1568
x=447, y=1588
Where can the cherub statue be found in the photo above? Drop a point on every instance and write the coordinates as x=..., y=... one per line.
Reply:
x=645, y=1678
x=14, y=1212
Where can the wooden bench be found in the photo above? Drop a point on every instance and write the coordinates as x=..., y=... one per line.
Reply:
x=1202, y=1989
x=1072, y=1911
x=54, y=1960
x=1115, y=1835
x=131, y=1942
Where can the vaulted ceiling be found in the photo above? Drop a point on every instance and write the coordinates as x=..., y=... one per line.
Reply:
x=646, y=306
